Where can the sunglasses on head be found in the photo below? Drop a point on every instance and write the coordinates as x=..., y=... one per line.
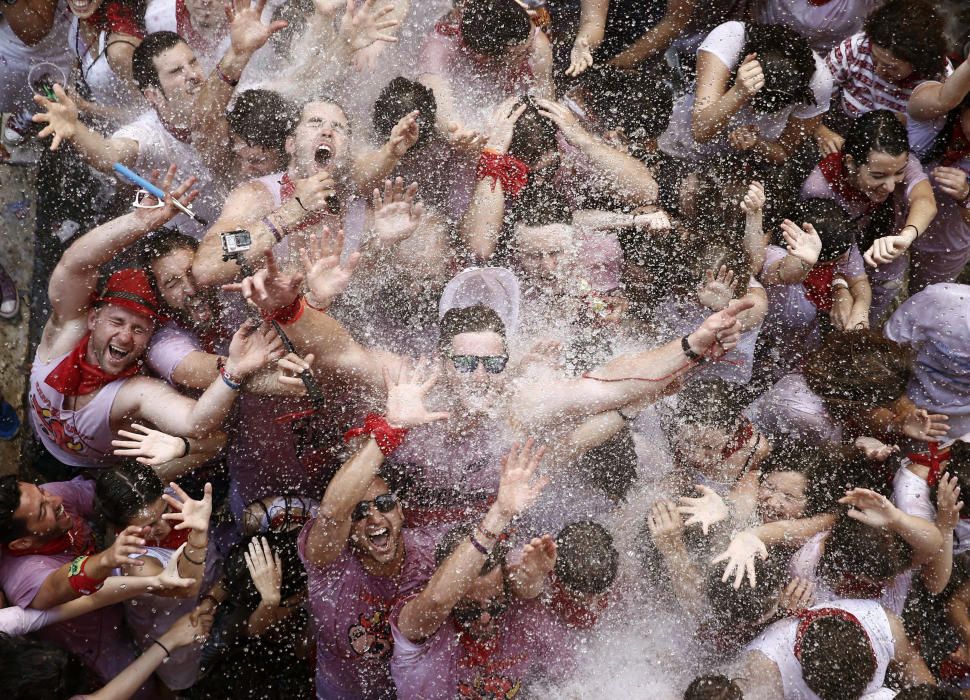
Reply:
x=467, y=613
x=384, y=503
x=494, y=364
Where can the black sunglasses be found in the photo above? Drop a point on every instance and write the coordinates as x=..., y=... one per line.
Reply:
x=384, y=503
x=468, y=612
x=494, y=364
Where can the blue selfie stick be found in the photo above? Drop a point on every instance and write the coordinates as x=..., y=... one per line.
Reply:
x=136, y=179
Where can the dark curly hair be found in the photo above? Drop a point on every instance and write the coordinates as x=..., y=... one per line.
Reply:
x=10, y=529
x=787, y=62
x=912, y=31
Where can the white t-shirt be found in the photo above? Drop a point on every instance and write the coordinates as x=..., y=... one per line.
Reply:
x=17, y=621
x=157, y=149
x=911, y=494
x=777, y=643
x=726, y=42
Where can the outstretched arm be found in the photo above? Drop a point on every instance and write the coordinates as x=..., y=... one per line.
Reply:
x=660, y=36
x=934, y=99
x=875, y=510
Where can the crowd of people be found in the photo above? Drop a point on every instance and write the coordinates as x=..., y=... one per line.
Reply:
x=397, y=348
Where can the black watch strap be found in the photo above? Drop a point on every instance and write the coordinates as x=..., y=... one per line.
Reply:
x=691, y=355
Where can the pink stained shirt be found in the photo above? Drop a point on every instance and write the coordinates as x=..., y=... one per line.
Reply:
x=78, y=438
x=98, y=638
x=532, y=642
x=351, y=609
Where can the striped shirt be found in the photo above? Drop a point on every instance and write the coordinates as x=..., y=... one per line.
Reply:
x=861, y=89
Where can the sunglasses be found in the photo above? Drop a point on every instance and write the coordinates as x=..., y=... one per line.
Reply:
x=467, y=613
x=494, y=364
x=384, y=503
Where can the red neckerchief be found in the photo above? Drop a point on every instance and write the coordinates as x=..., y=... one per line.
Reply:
x=77, y=541
x=741, y=437
x=833, y=169
x=807, y=617
x=852, y=586
x=934, y=460
x=183, y=24
x=957, y=146
x=288, y=192
x=182, y=134
x=818, y=285
x=75, y=376
x=174, y=539
x=573, y=612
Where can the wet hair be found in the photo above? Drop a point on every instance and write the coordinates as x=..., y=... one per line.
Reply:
x=744, y=605
x=239, y=582
x=958, y=466
x=713, y=687
x=541, y=205
x=858, y=370
x=710, y=402
x=832, y=223
x=837, y=659
x=262, y=118
x=639, y=103
x=612, y=465
x=10, y=527
x=855, y=549
x=399, y=98
x=491, y=27
x=34, y=670
x=533, y=135
x=788, y=65
x=924, y=691
x=920, y=42
x=456, y=535
x=469, y=319
x=143, y=68
x=160, y=243
x=586, y=560
x=121, y=492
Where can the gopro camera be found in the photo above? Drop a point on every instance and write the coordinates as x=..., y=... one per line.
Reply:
x=236, y=243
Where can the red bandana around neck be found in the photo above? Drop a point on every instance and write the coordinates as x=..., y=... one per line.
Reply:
x=77, y=541
x=75, y=376
x=807, y=617
x=934, y=460
x=742, y=436
x=957, y=146
x=175, y=539
x=833, y=169
x=183, y=23
x=818, y=285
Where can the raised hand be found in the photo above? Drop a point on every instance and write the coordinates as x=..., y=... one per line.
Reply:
x=952, y=181
x=291, y=367
x=404, y=134
x=247, y=33
x=326, y=278
x=580, y=57
x=798, y=595
x=828, y=141
x=744, y=138
x=754, y=199
x=536, y=562
x=948, y=503
x=189, y=514
x=269, y=289
x=886, y=249
x=406, y=394
x=874, y=449
x=266, y=570
x=253, y=347
x=666, y=526
x=803, y=242
x=751, y=78
x=362, y=26
x=396, y=213
x=716, y=292
x=517, y=489
x=707, y=510
x=147, y=446
x=503, y=124
x=463, y=139
x=312, y=193
x=170, y=578
x=61, y=117
x=923, y=425
x=871, y=508
x=153, y=216
x=740, y=556
x=129, y=541
x=565, y=119
x=720, y=331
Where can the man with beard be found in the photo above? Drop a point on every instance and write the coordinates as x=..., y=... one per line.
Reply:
x=187, y=122
x=84, y=383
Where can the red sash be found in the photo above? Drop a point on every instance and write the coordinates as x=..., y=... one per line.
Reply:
x=75, y=376
x=833, y=169
x=818, y=285
x=934, y=460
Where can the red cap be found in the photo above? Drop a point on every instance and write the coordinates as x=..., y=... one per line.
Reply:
x=131, y=288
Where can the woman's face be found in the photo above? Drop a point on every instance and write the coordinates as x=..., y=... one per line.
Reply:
x=83, y=9
x=781, y=496
x=880, y=175
x=701, y=447
x=151, y=517
x=888, y=67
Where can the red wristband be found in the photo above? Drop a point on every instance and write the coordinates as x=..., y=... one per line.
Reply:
x=225, y=78
x=511, y=172
x=288, y=314
x=387, y=436
x=80, y=581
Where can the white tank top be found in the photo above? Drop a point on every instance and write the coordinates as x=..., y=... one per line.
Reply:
x=106, y=87
x=77, y=438
x=911, y=494
x=777, y=642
